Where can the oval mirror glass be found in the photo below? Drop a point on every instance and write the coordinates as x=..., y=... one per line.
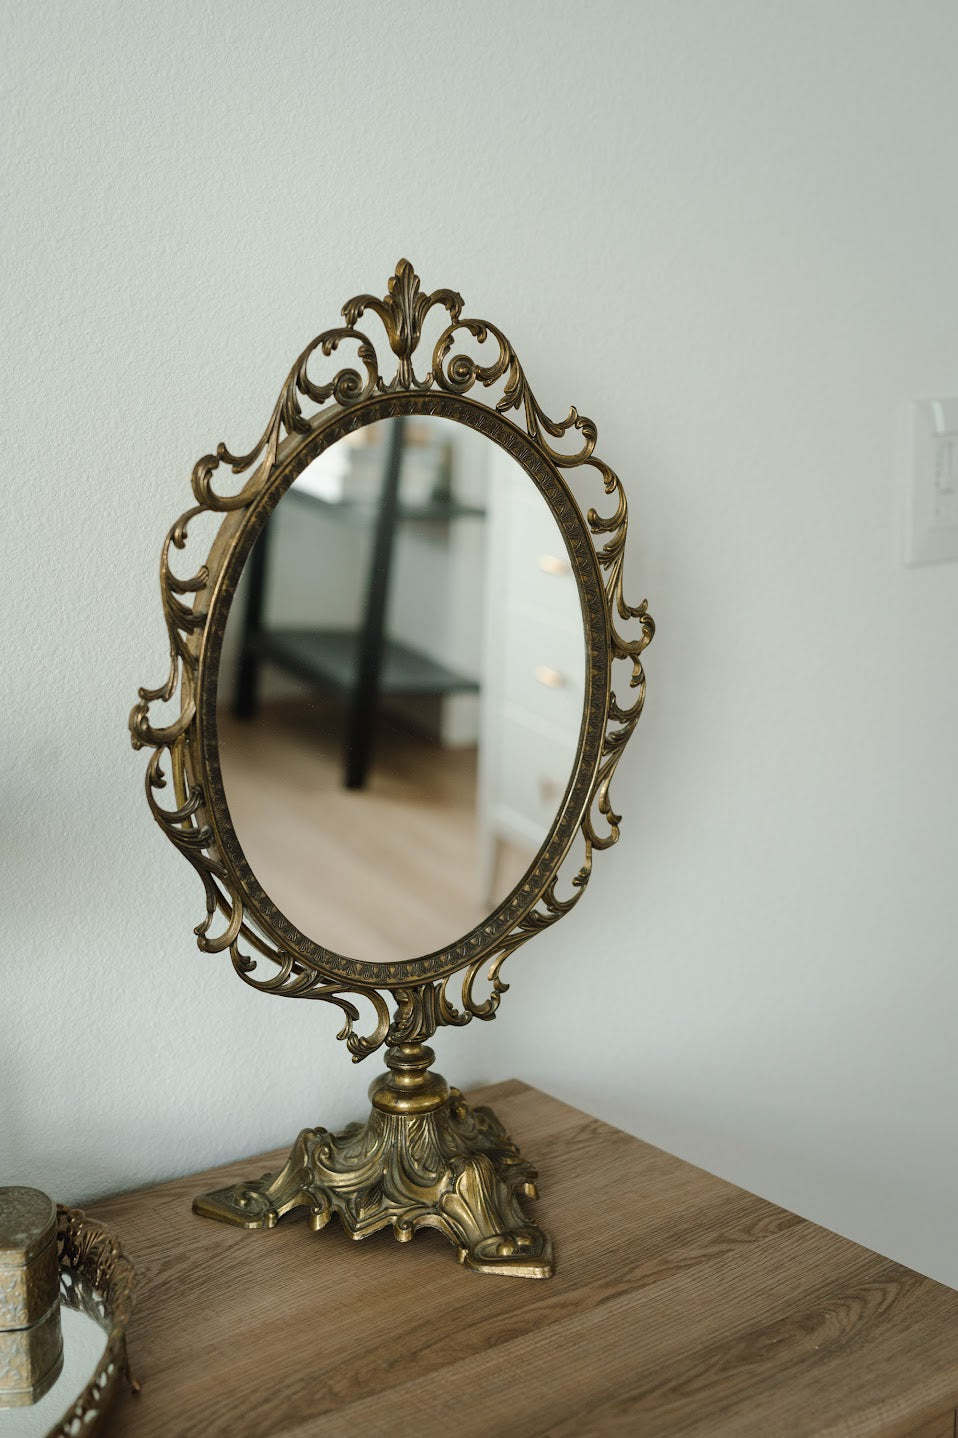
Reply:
x=400, y=690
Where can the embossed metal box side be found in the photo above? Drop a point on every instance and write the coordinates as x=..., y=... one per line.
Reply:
x=31, y=1341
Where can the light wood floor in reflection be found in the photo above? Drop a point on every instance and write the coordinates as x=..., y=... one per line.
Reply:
x=381, y=874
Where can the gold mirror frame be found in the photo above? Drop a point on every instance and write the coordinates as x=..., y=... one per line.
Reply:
x=254, y=931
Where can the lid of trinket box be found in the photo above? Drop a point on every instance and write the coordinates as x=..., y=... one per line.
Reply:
x=28, y=1223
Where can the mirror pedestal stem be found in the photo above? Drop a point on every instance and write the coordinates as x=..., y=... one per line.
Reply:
x=423, y=1159
x=409, y=1087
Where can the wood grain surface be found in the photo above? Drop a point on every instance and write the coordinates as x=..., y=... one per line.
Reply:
x=399, y=860
x=681, y=1305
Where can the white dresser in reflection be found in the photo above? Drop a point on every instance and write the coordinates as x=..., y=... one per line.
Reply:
x=534, y=674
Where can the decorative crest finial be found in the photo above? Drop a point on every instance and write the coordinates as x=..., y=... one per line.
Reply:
x=402, y=312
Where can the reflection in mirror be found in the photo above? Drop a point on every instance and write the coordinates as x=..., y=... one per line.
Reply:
x=401, y=689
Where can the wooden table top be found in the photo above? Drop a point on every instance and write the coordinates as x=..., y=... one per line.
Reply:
x=681, y=1305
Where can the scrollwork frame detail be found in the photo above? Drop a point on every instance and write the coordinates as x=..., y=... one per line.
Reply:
x=253, y=931
x=87, y=1250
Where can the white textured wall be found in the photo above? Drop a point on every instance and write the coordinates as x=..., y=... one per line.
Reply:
x=727, y=231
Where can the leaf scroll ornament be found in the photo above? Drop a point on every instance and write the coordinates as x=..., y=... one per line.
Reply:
x=488, y=391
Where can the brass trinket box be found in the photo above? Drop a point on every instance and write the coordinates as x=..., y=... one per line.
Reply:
x=31, y=1342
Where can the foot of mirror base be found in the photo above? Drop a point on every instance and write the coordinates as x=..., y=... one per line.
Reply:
x=450, y=1167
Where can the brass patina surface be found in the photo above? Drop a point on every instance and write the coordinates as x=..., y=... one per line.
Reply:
x=90, y=1274
x=432, y=1163
x=31, y=1341
x=424, y=1159
x=31, y=1360
x=29, y=1282
x=28, y=1223
x=88, y=1251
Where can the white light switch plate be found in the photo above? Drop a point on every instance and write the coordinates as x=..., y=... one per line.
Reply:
x=931, y=530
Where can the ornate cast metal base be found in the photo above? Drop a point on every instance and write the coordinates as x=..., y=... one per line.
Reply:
x=423, y=1159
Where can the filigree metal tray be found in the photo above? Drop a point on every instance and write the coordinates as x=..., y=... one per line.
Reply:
x=96, y=1293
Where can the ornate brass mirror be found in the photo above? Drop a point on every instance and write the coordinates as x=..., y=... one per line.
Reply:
x=399, y=718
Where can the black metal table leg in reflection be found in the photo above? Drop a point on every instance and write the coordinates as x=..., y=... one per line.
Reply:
x=355, y=665
x=246, y=699
x=363, y=706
